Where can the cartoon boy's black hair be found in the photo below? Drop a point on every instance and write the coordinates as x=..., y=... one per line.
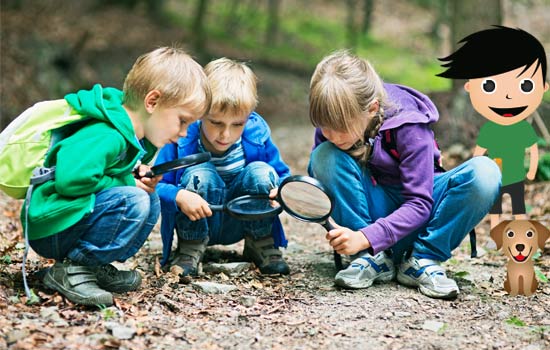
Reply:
x=494, y=51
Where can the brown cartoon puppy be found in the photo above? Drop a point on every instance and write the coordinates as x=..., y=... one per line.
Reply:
x=519, y=240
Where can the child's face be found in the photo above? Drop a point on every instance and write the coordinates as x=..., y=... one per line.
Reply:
x=509, y=97
x=221, y=130
x=166, y=124
x=341, y=139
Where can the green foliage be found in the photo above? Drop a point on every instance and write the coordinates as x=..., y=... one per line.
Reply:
x=515, y=321
x=6, y=259
x=34, y=299
x=543, y=170
x=106, y=313
x=540, y=275
x=303, y=39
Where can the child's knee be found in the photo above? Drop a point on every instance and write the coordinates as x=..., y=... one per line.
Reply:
x=326, y=158
x=201, y=178
x=138, y=204
x=261, y=173
x=486, y=176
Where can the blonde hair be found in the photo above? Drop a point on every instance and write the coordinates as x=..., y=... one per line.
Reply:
x=233, y=86
x=342, y=89
x=179, y=78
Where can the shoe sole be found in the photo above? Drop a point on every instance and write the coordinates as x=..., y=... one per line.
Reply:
x=410, y=282
x=105, y=299
x=362, y=284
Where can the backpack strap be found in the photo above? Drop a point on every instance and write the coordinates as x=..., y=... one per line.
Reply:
x=39, y=176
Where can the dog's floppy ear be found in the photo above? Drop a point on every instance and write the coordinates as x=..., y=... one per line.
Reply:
x=496, y=232
x=543, y=233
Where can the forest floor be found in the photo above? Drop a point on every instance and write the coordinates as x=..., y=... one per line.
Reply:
x=304, y=310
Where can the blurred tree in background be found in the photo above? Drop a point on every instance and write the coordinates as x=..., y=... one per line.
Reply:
x=49, y=48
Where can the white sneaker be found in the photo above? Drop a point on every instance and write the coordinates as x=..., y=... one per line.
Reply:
x=428, y=276
x=365, y=270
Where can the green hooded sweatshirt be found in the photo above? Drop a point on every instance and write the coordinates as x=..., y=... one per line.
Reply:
x=100, y=155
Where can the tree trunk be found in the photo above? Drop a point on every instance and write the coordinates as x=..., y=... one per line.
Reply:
x=368, y=6
x=199, y=42
x=467, y=17
x=274, y=7
x=351, y=27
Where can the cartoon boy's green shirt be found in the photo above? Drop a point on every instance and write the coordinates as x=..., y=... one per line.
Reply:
x=508, y=142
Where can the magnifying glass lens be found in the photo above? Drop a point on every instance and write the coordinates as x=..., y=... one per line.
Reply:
x=306, y=200
x=252, y=206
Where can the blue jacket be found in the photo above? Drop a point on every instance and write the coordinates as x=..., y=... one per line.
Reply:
x=258, y=146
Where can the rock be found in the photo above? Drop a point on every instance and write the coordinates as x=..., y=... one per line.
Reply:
x=120, y=331
x=434, y=326
x=230, y=269
x=401, y=314
x=213, y=288
x=16, y=335
x=247, y=300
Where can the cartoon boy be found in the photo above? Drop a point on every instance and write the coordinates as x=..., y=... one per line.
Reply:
x=506, y=72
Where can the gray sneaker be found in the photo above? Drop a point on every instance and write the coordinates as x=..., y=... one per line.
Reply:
x=77, y=283
x=365, y=270
x=113, y=280
x=265, y=256
x=188, y=255
x=428, y=276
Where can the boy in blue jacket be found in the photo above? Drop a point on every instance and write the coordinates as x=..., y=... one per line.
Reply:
x=244, y=162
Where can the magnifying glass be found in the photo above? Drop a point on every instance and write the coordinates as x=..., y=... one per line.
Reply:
x=250, y=207
x=179, y=163
x=303, y=197
x=306, y=199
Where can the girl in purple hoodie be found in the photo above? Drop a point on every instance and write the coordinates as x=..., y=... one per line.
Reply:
x=396, y=213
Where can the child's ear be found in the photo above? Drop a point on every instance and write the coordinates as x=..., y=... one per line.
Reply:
x=496, y=232
x=467, y=86
x=546, y=86
x=542, y=232
x=151, y=100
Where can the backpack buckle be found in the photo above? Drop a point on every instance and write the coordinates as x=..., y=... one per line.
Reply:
x=42, y=174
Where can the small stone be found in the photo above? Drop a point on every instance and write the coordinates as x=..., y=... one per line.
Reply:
x=213, y=288
x=229, y=269
x=434, y=326
x=247, y=300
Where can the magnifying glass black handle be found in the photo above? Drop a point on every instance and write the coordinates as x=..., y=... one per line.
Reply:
x=216, y=207
x=327, y=225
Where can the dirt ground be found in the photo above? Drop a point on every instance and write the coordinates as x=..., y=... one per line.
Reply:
x=301, y=311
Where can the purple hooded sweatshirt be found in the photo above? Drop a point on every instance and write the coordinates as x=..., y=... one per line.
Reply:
x=410, y=114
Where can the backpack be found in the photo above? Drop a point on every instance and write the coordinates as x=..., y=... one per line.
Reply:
x=24, y=145
x=25, y=142
x=389, y=145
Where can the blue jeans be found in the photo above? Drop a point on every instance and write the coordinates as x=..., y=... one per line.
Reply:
x=221, y=228
x=115, y=230
x=462, y=197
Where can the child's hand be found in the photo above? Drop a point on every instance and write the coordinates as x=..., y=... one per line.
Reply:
x=346, y=241
x=146, y=183
x=273, y=196
x=192, y=205
x=531, y=174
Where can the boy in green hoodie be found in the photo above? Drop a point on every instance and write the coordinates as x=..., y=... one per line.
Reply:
x=95, y=211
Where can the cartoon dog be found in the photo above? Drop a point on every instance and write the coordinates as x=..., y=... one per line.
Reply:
x=519, y=239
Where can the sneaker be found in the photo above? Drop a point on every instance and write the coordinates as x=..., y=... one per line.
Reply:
x=77, y=283
x=265, y=256
x=428, y=276
x=189, y=255
x=113, y=280
x=363, y=271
